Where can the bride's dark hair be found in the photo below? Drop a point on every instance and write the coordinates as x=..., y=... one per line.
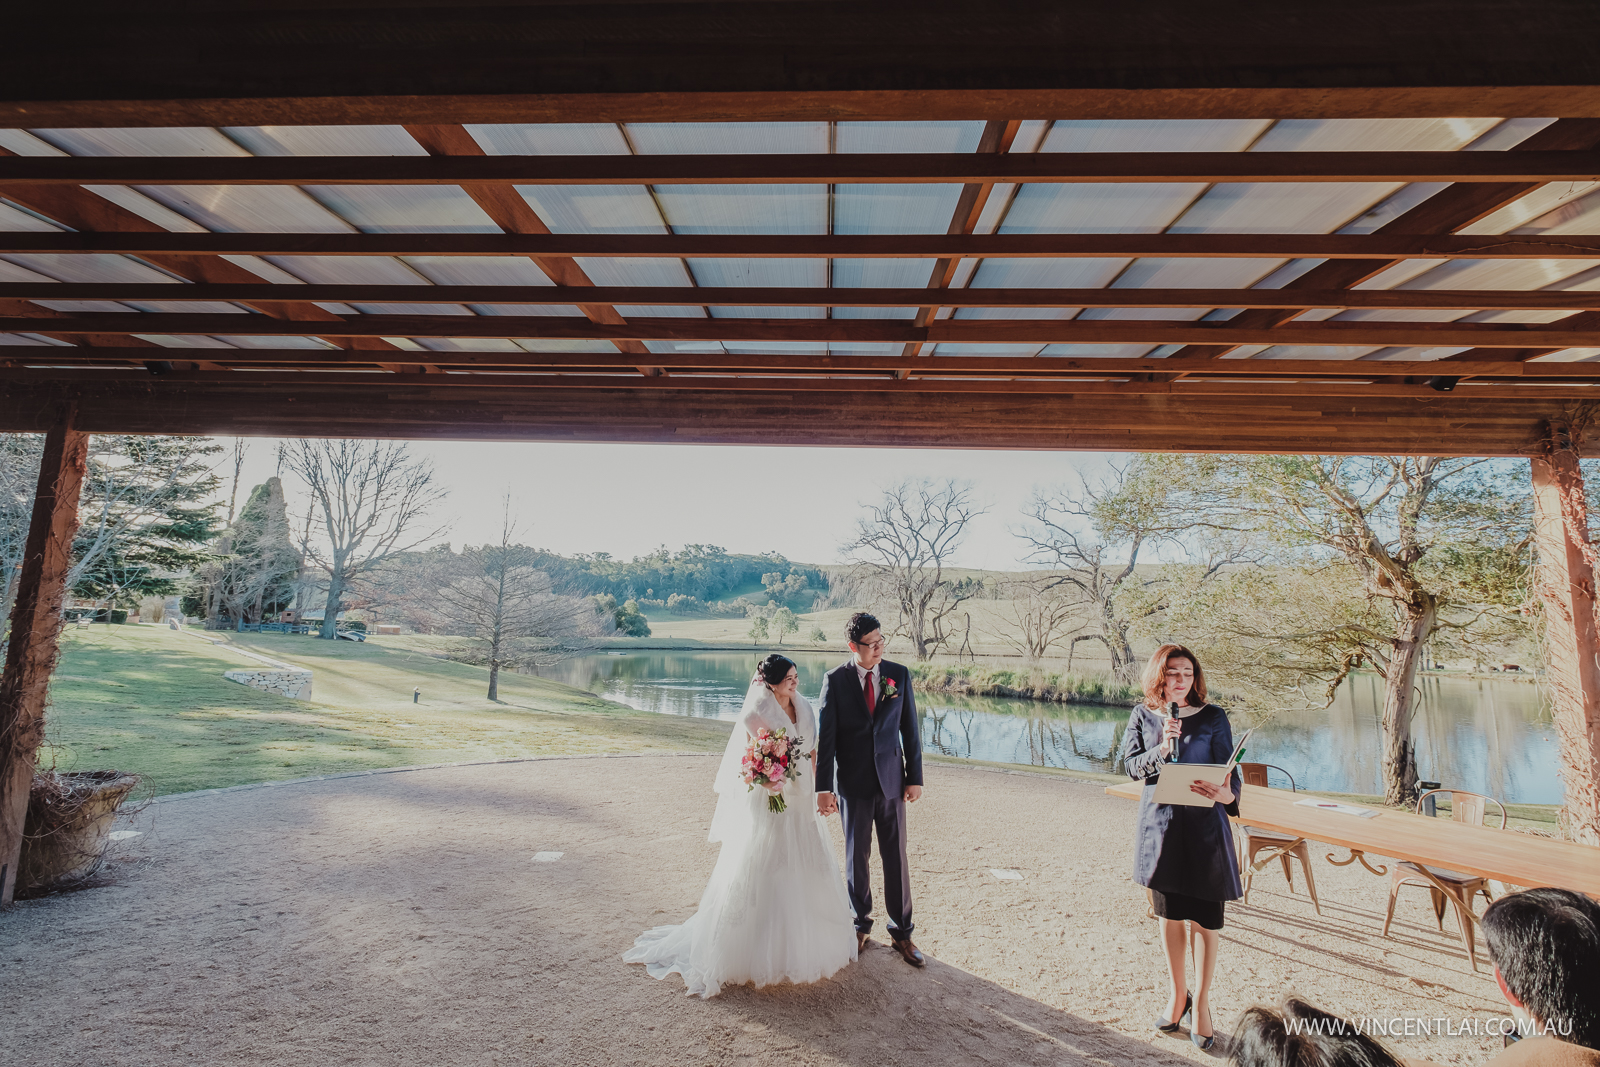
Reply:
x=774, y=669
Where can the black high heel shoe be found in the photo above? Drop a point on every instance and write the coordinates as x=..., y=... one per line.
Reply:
x=1171, y=1027
x=1203, y=1043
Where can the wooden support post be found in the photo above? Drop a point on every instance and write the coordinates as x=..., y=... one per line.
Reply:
x=1566, y=563
x=35, y=624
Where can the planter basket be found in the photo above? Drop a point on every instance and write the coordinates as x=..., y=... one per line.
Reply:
x=68, y=828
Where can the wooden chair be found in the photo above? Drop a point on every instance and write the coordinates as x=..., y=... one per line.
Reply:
x=1256, y=839
x=1445, y=885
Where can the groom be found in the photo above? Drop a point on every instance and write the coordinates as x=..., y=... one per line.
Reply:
x=868, y=722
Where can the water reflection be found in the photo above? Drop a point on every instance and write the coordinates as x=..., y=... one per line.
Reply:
x=1492, y=737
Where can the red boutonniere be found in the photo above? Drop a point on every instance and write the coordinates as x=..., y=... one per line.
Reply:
x=890, y=690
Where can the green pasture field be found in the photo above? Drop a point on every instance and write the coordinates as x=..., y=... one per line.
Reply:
x=153, y=701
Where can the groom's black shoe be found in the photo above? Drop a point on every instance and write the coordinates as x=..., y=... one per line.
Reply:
x=911, y=953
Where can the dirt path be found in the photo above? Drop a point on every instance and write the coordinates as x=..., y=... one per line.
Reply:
x=401, y=918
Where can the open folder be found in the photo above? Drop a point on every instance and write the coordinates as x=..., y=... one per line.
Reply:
x=1173, y=785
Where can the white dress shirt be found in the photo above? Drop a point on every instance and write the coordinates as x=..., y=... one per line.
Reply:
x=877, y=681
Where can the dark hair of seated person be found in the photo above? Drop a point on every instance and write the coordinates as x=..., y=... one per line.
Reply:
x=1546, y=943
x=1263, y=1039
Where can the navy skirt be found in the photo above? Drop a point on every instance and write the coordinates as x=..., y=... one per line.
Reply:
x=1176, y=906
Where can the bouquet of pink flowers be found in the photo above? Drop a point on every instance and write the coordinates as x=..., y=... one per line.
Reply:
x=771, y=762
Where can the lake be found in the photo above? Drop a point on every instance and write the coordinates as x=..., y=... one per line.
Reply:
x=1489, y=736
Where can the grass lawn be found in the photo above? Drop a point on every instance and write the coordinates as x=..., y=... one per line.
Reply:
x=151, y=700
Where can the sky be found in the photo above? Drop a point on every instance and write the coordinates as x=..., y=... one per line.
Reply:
x=629, y=499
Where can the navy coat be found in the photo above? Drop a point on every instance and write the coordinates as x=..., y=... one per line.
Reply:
x=877, y=753
x=1182, y=849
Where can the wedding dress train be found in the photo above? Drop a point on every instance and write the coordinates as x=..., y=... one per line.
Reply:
x=775, y=908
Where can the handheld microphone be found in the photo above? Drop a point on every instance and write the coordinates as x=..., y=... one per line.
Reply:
x=1172, y=715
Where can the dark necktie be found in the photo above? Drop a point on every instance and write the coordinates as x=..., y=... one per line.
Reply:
x=872, y=700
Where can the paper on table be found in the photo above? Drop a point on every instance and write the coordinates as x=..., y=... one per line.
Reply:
x=1342, y=809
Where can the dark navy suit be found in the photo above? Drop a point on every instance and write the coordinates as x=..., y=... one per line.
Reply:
x=878, y=755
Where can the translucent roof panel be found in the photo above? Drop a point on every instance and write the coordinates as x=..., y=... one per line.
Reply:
x=744, y=209
x=248, y=208
x=1097, y=351
x=144, y=141
x=16, y=220
x=479, y=270
x=985, y=350
x=551, y=139
x=841, y=348
x=1320, y=207
x=1047, y=273
x=880, y=274
x=594, y=208
x=870, y=209
x=350, y=270
x=325, y=140
x=908, y=136
x=802, y=273
x=89, y=268
x=306, y=343
x=727, y=138
x=568, y=310
x=24, y=143
x=1122, y=208
x=642, y=272
x=530, y=344
x=404, y=208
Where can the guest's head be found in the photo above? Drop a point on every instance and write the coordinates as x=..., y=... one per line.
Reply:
x=1297, y=1035
x=1173, y=676
x=865, y=635
x=780, y=674
x=1545, y=944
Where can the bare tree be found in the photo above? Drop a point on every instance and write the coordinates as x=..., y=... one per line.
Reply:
x=1092, y=536
x=1044, y=612
x=506, y=613
x=368, y=498
x=905, y=543
x=19, y=475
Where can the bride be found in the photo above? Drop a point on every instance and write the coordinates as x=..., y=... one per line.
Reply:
x=775, y=909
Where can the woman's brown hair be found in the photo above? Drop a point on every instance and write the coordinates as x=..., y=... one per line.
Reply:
x=1155, y=678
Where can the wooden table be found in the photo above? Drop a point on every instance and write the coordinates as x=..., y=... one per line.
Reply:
x=1503, y=855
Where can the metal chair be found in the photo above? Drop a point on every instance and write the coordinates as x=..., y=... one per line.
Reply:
x=1445, y=885
x=1284, y=846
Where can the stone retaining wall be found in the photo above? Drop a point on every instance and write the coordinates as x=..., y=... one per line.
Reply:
x=289, y=683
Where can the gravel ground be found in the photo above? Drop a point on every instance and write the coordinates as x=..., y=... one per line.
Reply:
x=403, y=918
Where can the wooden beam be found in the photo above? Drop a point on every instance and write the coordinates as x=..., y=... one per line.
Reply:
x=509, y=211
x=262, y=294
x=35, y=624
x=40, y=356
x=765, y=384
x=897, y=168
x=408, y=406
x=1364, y=333
x=1447, y=211
x=1566, y=577
x=802, y=246
x=82, y=210
x=277, y=62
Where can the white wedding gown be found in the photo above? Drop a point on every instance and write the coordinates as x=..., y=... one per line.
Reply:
x=775, y=909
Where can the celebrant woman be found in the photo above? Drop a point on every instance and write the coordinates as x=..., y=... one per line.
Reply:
x=1184, y=854
x=775, y=908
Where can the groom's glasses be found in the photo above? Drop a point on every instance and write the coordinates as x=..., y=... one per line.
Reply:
x=872, y=646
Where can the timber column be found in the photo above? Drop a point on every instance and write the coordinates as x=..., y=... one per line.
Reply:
x=1566, y=577
x=35, y=625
